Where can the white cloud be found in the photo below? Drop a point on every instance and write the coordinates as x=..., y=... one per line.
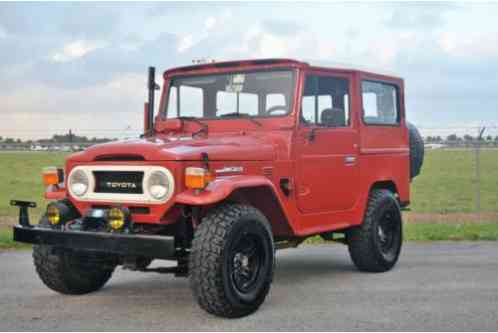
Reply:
x=185, y=43
x=39, y=111
x=469, y=45
x=210, y=23
x=3, y=33
x=261, y=42
x=74, y=50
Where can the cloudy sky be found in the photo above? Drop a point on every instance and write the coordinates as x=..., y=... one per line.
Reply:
x=83, y=66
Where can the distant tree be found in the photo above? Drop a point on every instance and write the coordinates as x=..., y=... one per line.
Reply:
x=489, y=138
x=9, y=140
x=468, y=138
x=452, y=137
x=439, y=139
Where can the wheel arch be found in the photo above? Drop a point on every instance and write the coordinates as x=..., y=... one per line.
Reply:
x=387, y=184
x=257, y=191
x=265, y=199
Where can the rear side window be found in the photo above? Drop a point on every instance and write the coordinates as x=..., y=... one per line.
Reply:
x=380, y=103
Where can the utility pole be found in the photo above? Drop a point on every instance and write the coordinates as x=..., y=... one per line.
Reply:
x=480, y=132
x=70, y=139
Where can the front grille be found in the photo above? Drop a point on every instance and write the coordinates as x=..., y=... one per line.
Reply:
x=128, y=182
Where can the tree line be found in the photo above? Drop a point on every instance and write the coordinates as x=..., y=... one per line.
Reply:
x=64, y=138
x=453, y=138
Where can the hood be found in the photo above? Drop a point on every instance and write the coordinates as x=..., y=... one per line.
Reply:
x=242, y=147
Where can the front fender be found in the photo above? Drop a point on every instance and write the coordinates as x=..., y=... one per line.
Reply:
x=220, y=189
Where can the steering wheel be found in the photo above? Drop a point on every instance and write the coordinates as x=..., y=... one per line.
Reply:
x=277, y=108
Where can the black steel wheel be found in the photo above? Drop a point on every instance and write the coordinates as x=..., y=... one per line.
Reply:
x=389, y=233
x=247, y=259
x=231, y=262
x=375, y=245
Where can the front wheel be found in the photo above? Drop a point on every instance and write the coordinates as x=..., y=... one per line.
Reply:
x=375, y=245
x=72, y=273
x=231, y=262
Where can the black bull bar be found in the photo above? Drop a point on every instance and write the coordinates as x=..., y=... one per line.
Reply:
x=151, y=246
x=160, y=247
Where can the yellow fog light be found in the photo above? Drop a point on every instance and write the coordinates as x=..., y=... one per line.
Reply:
x=53, y=215
x=116, y=218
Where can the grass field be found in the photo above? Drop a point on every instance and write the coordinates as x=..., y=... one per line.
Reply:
x=20, y=178
x=447, y=182
x=446, y=188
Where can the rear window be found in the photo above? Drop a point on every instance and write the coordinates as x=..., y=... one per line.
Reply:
x=380, y=103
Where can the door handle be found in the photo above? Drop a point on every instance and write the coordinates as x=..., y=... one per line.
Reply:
x=350, y=160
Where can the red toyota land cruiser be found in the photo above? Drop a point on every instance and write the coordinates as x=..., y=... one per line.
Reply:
x=242, y=158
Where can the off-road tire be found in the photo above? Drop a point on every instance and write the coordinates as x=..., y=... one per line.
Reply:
x=209, y=264
x=416, y=150
x=72, y=273
x=364, y=242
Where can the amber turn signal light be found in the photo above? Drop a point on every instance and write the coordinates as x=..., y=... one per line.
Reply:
x=197, y=178
x=50, y=176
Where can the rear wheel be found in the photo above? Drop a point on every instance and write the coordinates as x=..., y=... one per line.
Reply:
x=375, y=245
x=232, y=260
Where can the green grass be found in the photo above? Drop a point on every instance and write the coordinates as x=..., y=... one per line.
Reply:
x=447, y=184
x=437, y=232
x=6, y=241
x=20, y=178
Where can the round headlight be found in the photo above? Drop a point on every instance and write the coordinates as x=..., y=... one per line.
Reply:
x=158, y=185
x=78, y=183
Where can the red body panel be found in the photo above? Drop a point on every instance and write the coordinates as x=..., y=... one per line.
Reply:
x=330, y=177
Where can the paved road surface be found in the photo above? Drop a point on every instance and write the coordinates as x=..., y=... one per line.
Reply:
x=436, y=286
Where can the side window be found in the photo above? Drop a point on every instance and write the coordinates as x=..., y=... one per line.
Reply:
x=308, y=110
x=173, y=101
x=191, y=101
x=380, y=103
x=325, y=101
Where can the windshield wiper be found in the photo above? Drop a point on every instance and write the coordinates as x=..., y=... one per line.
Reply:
x=204, y=127
x=241, y=115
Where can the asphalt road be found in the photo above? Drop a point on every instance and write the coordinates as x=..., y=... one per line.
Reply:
x=436, y=286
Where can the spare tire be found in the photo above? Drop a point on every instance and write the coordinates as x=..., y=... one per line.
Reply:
x=416, y=150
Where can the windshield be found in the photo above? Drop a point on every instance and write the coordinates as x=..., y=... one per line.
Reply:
x=215, y=96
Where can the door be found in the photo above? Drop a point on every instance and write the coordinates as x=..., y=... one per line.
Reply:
x=326, y=146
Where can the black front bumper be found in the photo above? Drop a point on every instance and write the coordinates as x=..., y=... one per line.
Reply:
x=160, y=247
